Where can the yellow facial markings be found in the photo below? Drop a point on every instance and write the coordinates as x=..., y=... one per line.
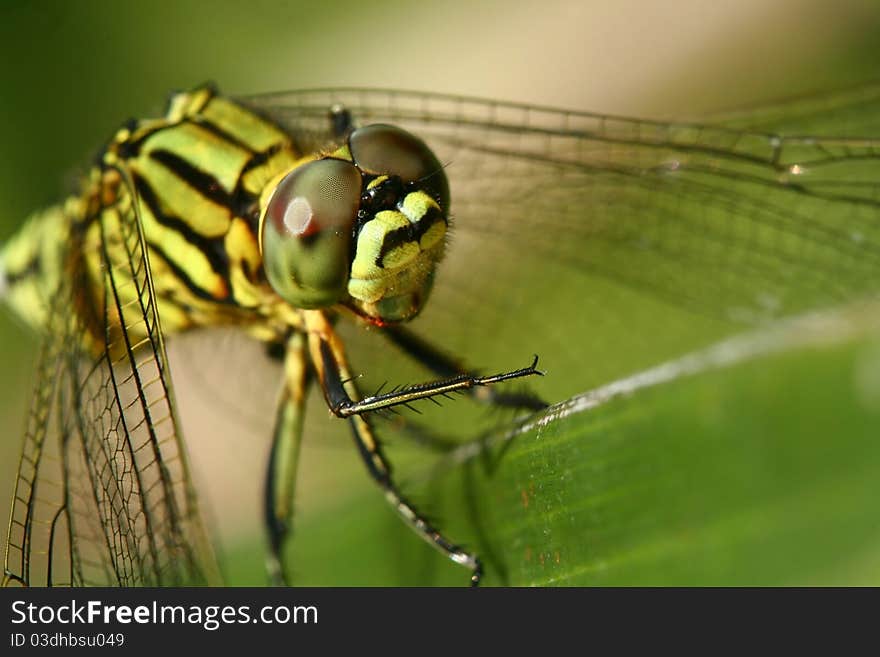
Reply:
x=375, y=182
x=369, y=243
x=400, y=256
x=405, y=265
x=363, y=290
x=417, y=204
x=433, y=236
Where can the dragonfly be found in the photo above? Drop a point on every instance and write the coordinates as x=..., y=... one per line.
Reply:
x=457, y=230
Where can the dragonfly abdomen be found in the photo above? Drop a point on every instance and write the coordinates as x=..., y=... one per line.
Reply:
x=31, y=264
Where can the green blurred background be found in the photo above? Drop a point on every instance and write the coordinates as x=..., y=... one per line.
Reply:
x=73, y=71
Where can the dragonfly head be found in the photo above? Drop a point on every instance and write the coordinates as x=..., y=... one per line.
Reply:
x=364, y=226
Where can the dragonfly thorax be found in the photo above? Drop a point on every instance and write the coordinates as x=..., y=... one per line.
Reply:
x=363, y=226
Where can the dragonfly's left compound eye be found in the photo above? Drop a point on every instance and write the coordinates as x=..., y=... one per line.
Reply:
x=381, y=149
x=306, y=232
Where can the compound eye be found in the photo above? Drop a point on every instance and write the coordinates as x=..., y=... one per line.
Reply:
x=381, y=149
x=306, y=232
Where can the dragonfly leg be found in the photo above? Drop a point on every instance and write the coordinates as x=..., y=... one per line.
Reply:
x=283, y=459
x=341, y=396
x=334, y=376
x=443, y=365
x=380, y=471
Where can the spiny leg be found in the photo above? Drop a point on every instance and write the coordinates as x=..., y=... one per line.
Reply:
x=328, y=350
x=380, y=470
x=335, y=378
x=443, y=365
x=284, y=457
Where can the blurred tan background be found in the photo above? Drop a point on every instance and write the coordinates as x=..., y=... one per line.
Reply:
x=73, y=71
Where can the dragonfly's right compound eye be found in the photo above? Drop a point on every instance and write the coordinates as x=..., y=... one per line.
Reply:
x=306, y=232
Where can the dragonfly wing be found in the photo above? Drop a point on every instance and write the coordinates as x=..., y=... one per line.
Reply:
x=103, y=495
x=848, y=112
x=608, y=244
x=37, y=523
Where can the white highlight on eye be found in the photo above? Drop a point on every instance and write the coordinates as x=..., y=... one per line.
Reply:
x=298, y=215
x=796, y=169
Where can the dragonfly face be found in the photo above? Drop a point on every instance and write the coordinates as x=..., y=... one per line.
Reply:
x=364, y=226
x=603, y=244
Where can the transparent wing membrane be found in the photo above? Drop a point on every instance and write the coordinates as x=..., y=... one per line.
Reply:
x=103, y=494
x=607, y=244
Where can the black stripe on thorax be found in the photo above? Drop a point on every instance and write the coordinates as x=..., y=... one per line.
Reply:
x=241, y=203
x=219, y=132
x=181, y=275
x=201, y=181
x=214, y=249
x=131, y=147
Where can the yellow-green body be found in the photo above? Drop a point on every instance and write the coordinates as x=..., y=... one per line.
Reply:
x=202, y=247
x=202, y=176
